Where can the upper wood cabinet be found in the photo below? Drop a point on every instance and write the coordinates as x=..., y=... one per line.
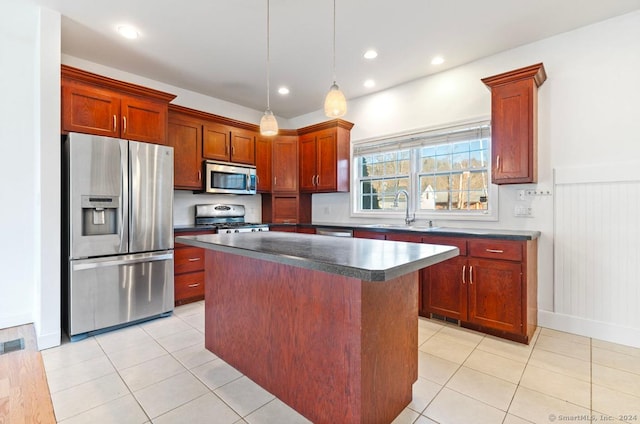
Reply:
x=98, y=105
x=229, y=144
x=285, y=164
x=185, y=136
x=264, y=155
x=514, y=122
x=325, y=157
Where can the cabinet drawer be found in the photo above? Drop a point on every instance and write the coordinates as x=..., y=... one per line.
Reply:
x=189, y=285
x=496, y=249
x=188, y=259
x=461, y=244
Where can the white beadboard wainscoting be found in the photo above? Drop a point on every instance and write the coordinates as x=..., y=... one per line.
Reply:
x=597, y=252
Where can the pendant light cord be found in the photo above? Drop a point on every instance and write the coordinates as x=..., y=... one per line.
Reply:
x=268, y=54
x=334, y=41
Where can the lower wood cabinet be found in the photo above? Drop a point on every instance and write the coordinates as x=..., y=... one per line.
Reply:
x=188, y=269
x=490, y=287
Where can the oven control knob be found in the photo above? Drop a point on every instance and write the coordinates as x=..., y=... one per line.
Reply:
x=253, y=230
x=236, y=231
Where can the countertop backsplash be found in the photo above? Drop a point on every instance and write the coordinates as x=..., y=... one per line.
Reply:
x=184, y=205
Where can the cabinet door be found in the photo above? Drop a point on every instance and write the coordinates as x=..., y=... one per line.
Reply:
x=369, y=234
x=444, y=288
x=215, y=142
x=243, y=148
x=495, y=294
x=408, y=237
x=143, y=120
x=91, y=110
x=264, y=154
x=307, y=162
x=326, y=160
x=512, y=133
x=189, y=287
x=285, y=209
x=285, y=159
x=185, y=137
x=188, y=259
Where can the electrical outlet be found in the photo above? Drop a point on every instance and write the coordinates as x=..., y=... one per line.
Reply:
x=523, y=210
x=327, y=210
x=521, y=195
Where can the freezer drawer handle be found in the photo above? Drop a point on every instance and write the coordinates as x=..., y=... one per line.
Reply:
x=494, y=251
x=79, y=267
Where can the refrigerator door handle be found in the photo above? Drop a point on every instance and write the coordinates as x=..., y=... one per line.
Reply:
x=89, y=264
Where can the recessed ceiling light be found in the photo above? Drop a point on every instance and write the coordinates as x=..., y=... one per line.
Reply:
x=127, y=31
x=438, y=60
x=369, y=83
x=370, y=54
x=283, y=90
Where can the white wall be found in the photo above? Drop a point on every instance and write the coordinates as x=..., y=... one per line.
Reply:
x=29, y=169
x=587, y=108
x=18, y=171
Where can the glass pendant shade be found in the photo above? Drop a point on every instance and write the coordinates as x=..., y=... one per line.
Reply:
x=335, y=104
x=268, y=124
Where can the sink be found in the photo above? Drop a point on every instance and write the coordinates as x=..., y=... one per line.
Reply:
x=400, y=227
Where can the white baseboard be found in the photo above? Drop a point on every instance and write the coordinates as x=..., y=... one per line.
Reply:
x=45, y=341
x=595, y=329
x=7, y=321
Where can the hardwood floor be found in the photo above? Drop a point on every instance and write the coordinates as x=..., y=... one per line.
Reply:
x=24, y=392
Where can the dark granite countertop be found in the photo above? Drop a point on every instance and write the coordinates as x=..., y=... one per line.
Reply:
x=439, y=231
x=399, y=228
x=370, y=260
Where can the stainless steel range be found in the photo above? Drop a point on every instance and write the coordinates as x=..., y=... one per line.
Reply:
x=226, y=219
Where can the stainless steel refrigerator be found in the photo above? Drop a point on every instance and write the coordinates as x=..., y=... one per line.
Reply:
x=119, y=232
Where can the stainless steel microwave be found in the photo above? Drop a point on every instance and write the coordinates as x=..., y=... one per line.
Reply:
x=229, y=178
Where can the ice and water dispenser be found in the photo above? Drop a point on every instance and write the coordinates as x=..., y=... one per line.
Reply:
x=99, y=215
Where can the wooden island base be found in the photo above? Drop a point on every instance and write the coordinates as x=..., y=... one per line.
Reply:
x=336, y=349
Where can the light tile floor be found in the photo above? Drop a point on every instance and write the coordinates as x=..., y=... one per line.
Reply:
x=159, y=372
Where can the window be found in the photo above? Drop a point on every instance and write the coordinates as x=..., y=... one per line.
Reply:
x=444, y=171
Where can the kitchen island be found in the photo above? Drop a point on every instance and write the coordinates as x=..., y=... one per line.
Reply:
x=326, y=324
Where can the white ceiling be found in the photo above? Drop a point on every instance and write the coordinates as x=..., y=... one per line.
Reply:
x=218, y=47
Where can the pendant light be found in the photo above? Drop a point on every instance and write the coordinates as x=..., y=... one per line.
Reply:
x=335, y=104
x=268, y=123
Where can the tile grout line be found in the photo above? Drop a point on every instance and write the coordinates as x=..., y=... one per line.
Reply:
x=520, y=379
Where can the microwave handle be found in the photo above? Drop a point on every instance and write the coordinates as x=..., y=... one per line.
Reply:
x=248, y=177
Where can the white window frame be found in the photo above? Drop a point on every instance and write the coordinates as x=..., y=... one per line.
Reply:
x=401, y=140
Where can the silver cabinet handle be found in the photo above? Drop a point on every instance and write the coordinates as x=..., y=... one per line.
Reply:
x=494, y=251
x=193, y=285
x=317, y=180
x=124, y=124
x=194, y=259
x=275, y=181
x=115, y=123
x=464, y=271
x=471, y=274
x=498, y=163
x=199, y=175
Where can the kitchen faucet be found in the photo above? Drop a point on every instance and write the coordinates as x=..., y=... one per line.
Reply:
x=407, y=220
